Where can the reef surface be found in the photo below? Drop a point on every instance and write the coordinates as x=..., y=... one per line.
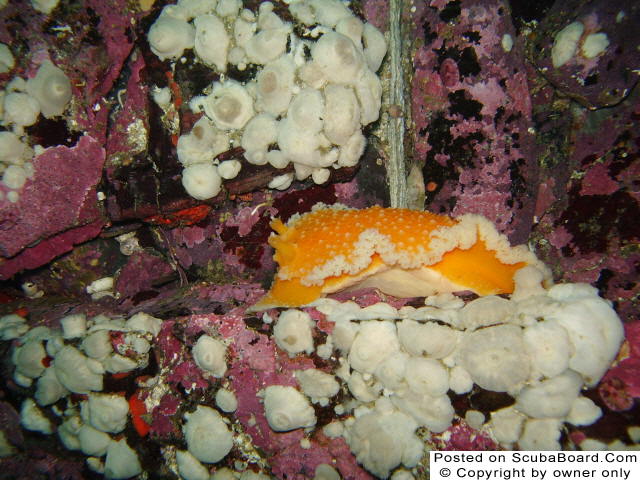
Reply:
x=550, y=154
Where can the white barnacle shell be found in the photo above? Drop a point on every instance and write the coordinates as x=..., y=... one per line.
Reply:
x=317, y=385
x=20, y=109
x=267, y=45
x=306, y=110
x=207, y=436
x=260, y=132
x=351, y=27
x=548, y=345
x=299, y=145
x=369, y=92
x=374, y=342
x=485, y=311
x=375, y=46
x=76, y=372
x=428, y=338
x=329, y=12
x=292, y=332
x=426, y=376
x=352, y=150
x=202, y=143
x=202, y=181
x=209, y=354
x=229, y=169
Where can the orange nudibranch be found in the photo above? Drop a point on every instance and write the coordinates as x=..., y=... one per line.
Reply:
x=401, y=252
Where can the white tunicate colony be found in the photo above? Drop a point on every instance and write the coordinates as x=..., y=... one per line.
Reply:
x=81, y=352
x=307, y=103
x=395, y=370
x=399, y=365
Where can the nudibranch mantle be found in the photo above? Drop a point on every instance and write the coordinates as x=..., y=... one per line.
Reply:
x=401, y=252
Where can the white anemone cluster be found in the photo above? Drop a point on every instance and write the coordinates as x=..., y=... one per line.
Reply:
x=21, y=103
x=307, y=104
x=73, y=359
x=541, y=346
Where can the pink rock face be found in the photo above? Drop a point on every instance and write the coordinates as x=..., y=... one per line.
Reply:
x=254, y=362
x=141, y=273
x=587, y=199
x=492, y=135
x=131, y=124
x=594, y=80
x=163, y=423
x=598, y=182
x=113, y=25
x=48, y=249
x=462, y=437
x=58, y=206
x=472, y=111
x=377, y=13
x=620, y=387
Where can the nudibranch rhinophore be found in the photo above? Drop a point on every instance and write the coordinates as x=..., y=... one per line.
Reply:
x=401, y=252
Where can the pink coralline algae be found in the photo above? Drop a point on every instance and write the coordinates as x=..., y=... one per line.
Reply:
x=300, y=463
x=596, y=181
x=586, y=202
x=472, y=114
x=128, y=136
x=58, y=206
x=620, y=387
x=175, y=357
x=163, y=420
x=142, y=272
x=257, y=363
x=112, y=22
x=254, y=363
x=377, y=12
x=463, y=437
x=495, y=129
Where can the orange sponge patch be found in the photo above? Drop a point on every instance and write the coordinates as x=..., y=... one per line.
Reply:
x=332, y=249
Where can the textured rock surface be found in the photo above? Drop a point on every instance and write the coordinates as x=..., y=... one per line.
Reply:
x=471, y=108
x=58, y=207
x=496, y=131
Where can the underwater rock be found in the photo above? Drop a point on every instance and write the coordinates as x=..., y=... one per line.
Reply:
x=59, y=207
x=584, y=50
x=472, y=112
